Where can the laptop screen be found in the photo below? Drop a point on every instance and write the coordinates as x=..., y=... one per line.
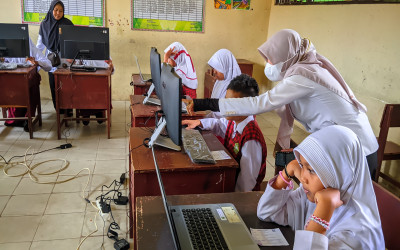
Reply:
x=140, y=72
x=165, y=202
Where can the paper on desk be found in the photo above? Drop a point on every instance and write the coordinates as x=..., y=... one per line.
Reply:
x=269, y=237
x=220, y=155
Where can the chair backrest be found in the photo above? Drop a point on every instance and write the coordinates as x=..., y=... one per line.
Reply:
x=390, y=118
x=389, y=210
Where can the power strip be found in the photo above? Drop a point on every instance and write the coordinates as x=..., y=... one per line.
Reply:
x=105, y=215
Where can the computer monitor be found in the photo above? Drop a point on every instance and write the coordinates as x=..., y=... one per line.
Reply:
x=171, y=88
x=14, y=40
x=89, y=43
x=155, y=67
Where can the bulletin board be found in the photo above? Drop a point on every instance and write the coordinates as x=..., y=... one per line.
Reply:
x=168, y=15
x=80, y=12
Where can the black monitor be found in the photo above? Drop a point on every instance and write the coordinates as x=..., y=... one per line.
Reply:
x=90, y=43
x=171, y=96
x=171, y=85
x=155, y=67
x=14, y=40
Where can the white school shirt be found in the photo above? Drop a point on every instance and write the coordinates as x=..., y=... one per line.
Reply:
x=44, y=63
x=250, y=162
x=311, y=104
x=291, y=207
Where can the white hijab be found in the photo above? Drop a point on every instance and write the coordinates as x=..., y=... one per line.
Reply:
x=301, y=58
x=336, y=155
x=184, y=65
x=223, y=61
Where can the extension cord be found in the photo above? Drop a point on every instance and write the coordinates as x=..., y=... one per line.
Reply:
x=104, y=215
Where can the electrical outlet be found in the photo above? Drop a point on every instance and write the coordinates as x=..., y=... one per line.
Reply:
x=105, y=214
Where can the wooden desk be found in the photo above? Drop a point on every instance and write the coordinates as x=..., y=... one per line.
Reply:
x=20, y=88
x=140, y=88
x=82, y=90
x=143, y=115
x=152, y=230
x=180, y=175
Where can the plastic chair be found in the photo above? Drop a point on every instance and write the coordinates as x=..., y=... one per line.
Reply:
x=389, y=207
x=388, y=150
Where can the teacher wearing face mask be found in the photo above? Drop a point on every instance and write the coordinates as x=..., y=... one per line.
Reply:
x=310, y=90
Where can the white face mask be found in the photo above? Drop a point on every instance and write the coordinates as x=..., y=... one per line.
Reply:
x=273, y=72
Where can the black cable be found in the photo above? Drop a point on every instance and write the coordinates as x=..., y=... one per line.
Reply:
x=20, y=156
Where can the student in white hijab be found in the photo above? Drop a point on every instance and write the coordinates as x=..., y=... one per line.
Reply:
x=177, y=56
x=225, y=68
x=310, y=90
x=336, y=193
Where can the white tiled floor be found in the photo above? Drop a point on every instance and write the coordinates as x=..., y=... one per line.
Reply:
x=54, y=216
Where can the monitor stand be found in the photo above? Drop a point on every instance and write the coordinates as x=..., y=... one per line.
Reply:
x=157, y=139
x=149, y=100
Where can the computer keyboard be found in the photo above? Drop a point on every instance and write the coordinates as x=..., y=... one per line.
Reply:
x=203, y=229
x=82, y=68
x=195, y=146
x=24, y=65
x=8, y=66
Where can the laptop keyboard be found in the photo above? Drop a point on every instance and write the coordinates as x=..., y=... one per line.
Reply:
x=203, y=229
x=196, y=147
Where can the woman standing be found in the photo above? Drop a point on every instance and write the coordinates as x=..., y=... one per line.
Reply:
x=49, y=38
x=310, y=90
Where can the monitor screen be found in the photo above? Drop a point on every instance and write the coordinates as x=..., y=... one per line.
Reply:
x=155, y=67
x=14, y=40
x=171, y=85
x=91, y=43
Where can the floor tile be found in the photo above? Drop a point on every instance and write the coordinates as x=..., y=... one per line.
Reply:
x=81, y=154
x=110, y=167
x=27, y=186
x=96, y=242
x=64, y=203
x=67, y=244
x=8, y=185
x=24, y=205
x=16, y=246
x=75, y=166
x=112, y=154
x=60, y=226
x=18, y=229
x=80, y=183
x=112, y=143
x=3, y=202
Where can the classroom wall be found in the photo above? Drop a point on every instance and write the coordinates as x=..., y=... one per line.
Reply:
x=237, y=30
x=362, y=41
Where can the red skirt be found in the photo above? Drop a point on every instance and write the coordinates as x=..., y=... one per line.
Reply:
x=189, y=92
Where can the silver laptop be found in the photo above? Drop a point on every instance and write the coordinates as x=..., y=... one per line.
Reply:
x=143, y=77
x=217, y=226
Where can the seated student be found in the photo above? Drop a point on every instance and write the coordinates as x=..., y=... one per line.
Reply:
x=99, y=113
x=335, y=206
x=243, y=137
x=177, y=56
x=224, y=69
x=36, y=58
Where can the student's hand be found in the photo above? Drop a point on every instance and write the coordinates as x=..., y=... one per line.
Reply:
x=329, y=198
x=168, y=54
x=293, y=169
x=191, y=124
x=189, y=106
x=32, y=60
x=1, y=59
x=110, y=64
x=69, y=60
